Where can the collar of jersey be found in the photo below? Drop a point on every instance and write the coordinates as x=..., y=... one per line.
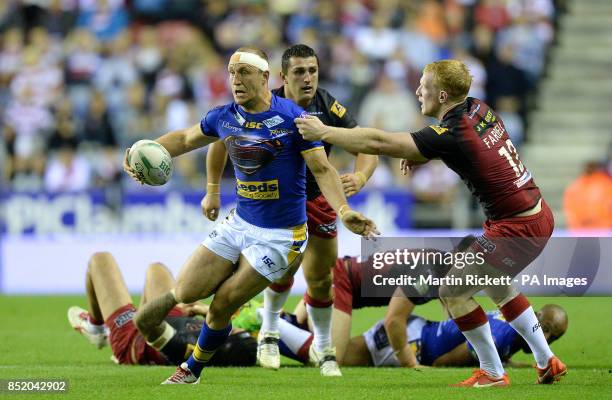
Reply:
x=244, y=113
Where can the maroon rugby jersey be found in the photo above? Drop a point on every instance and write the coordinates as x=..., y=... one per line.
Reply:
x=472, y=141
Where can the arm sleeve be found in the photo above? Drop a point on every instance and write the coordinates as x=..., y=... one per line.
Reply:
x=208, y=124
x=434, y=141
x=303, y=145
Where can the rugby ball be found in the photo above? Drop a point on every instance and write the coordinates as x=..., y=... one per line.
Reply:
x=151, y=161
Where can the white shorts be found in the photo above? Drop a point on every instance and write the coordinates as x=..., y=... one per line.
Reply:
x=270, y=251
x=378, y=343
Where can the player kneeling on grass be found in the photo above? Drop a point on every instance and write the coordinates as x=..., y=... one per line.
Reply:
x=111, y=310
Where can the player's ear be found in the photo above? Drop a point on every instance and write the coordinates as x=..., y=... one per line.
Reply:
x=266, y=76
x=443, y=97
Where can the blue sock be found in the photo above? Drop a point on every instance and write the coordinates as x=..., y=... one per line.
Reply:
x=286, y=351
x=208, y=342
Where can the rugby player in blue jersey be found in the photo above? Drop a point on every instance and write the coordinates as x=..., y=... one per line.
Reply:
x=264, y=238
x=434, y=343
x=300, y=75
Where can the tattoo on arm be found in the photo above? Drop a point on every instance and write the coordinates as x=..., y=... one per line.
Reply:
x=150, y=318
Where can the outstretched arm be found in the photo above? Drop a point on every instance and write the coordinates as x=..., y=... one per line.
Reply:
x=457, y=357
x=361, y=140
x=185, y=140
x=177, y=143
x=329, y=181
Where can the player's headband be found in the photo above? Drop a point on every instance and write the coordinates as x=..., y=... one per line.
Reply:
x=242, y=57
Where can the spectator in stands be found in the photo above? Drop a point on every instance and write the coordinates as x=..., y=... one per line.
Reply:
x=377, y=41
x=104, y=20
x=150, y=60
x=508, y=109
x=434, y=183
x=67, y=171
x=97, y=128
x=587, y=202
x=390, y=107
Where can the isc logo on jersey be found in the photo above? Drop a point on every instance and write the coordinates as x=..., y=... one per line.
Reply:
x=253, y=125
x=266, y=190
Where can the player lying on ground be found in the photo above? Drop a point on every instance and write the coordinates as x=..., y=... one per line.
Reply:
x=111, y=309
x=264, y=238
x=438, y=344
x=348, y=275
x=472, y=140
x=300, y=75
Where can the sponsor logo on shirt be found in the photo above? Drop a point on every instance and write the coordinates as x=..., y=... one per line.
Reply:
x=280, y=132
x=239, y=118
x=266, y=190
x=253, y=125
x=526, y=177
x=275, y=120
x=338, y=109
x=230, y=127
x=474, y=111
x=439, y=130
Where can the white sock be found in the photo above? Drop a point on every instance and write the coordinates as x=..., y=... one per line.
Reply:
x=95, y=329
x=293, y=336
x=273, y=305
x=528, y=326
x=321, y=324
x=482, y=341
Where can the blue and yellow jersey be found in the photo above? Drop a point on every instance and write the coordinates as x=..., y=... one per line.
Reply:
x=438, y=338
x=266, y=150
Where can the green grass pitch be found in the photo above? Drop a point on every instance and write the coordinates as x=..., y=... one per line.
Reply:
x=37, y=342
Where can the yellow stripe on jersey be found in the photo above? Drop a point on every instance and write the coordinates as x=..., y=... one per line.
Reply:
x=314, y=148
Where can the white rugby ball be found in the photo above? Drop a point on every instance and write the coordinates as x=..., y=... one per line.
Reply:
x=151, y=161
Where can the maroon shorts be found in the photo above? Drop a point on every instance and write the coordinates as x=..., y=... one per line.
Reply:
x=128, y=345
x=511, y=244
x=347, y=275
x=342, y=287
x=321, y=218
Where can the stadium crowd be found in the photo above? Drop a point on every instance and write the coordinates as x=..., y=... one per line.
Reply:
x=80, y=80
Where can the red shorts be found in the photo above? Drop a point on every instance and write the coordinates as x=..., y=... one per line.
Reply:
x=321, y=218
x=342, y=287
x=128, y=345
x=511, y=244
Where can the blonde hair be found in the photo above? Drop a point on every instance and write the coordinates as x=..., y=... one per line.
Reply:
x=451, y=76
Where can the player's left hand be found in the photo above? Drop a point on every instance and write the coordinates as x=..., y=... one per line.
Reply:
x=359, y=224
x=352, y=183
x=310, y=127
x=211, y=204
